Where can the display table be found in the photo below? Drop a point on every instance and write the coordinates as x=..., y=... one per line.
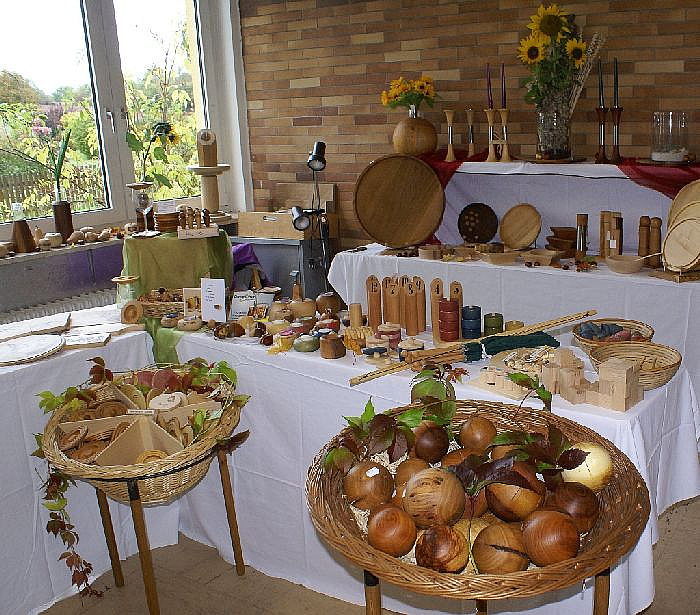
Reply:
x=297, y=403
x=169, y=262
x=539, y=294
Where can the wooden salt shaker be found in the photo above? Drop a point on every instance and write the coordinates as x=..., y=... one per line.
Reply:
x=644, y=228
x=654, y=243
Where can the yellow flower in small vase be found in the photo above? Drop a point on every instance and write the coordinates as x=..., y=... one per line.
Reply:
x=531, y=50
x=576, y=48
x=549, y=21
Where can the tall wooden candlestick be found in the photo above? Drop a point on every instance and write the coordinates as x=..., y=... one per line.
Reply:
x=470, y=131
x=600, y=156
x=615, y=157
x=450, y=148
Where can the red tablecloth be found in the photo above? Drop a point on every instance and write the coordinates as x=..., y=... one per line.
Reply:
x=667, y=180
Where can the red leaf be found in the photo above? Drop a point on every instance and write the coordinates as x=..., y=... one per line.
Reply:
x=98, y=360
x=572, y=458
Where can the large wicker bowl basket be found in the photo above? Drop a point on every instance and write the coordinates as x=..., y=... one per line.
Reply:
x=624, y=512
x=637, y=327
x=158, y=481
x=657, y=363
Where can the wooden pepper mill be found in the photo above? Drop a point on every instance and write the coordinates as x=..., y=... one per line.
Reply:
x=644, y=228
x=654, y=243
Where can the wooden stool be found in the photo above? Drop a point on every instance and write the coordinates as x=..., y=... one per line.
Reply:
x=149, y=581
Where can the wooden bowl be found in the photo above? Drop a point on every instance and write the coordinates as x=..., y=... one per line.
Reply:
x=564, y=232
x=635, y=326
x=560, y=243
x=657, y=363
x=624, y=263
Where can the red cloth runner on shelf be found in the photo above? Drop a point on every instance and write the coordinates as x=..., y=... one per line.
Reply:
x=665, y=179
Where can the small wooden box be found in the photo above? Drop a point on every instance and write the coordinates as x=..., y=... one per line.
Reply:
x=278, y=225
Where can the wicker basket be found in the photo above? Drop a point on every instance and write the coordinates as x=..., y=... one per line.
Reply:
x=633, y=325
x=158, y=309
x=657, y=363
x=624, y=512
x=159, y=481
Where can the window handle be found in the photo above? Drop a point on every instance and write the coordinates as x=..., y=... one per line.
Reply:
x=110, y=117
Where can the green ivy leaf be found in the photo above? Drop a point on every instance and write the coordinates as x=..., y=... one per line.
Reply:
x=429, y=388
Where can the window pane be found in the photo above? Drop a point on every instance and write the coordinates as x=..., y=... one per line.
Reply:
x=44, y=93
x=159, y=59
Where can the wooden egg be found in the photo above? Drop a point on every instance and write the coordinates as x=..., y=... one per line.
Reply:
x=434, y=497
x=475, y=505
x=498, y=452
x=512, y=503
x=455, y=457
x=578, y=501
x=499, y=549
x=476, y=433
x=442, y=548
x=470, y=528
x=368, y=484
x=549, y=537
x=596, y=469
x=407, y=468
x=431, y=443
x=391, y=530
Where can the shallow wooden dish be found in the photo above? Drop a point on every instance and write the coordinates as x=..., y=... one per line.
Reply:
x=499, y=258
x=625, y=263
x=520, y=226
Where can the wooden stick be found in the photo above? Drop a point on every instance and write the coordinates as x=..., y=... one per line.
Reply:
x=230, y=512
x=601, y=593
x=392, y=307
x=374, y=302
x=437, y=353
x=109, y=537
x=420, y=302
x=149, y=579
x=435, y=296
x=373, y=595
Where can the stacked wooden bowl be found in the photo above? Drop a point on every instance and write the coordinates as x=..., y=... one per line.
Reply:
x=167, y=223
x=563, y=239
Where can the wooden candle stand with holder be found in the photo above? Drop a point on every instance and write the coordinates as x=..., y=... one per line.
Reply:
x=503, y=155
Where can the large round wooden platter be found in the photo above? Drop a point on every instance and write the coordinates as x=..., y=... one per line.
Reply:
x=399, y=200
x=477, y=223
x=520, y=226
x=689, y=192
x=29, y=348
x=681, y=247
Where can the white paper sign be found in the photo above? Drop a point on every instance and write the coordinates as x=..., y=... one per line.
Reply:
x=213, y=299
x=241, y=302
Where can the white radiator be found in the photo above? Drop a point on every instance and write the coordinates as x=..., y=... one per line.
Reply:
x=97, y=298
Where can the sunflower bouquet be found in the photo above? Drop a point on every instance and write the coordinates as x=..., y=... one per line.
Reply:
x=409, y=93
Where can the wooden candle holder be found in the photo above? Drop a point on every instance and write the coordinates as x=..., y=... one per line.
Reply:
x=600, y=157
x=615, y=157
x=498, y=146
x=450, y=148
x=208, y=170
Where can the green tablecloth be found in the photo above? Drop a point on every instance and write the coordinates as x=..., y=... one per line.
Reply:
x=169, y=262
x=164, y=341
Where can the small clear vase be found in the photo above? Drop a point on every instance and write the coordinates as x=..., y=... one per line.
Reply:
x=554, y=129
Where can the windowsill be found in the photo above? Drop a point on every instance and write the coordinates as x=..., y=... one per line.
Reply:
x=30, y=256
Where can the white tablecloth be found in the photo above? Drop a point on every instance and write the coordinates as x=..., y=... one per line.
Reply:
x=558, y=191
x=31, y=577
x=297, y=405
x=542, y=293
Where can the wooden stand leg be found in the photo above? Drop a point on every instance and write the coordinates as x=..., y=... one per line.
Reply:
x=231, y=512
x=109, y=537
x=601, y=593
x=373, y=595
x=149, y=580
x=481, y=607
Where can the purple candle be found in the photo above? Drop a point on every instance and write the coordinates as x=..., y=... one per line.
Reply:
x=488, y=86
x=503, y=86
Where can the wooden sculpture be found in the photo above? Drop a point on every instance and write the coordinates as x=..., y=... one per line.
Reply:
x=209, y=169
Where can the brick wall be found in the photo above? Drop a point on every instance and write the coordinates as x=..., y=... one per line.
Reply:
x=315, y=68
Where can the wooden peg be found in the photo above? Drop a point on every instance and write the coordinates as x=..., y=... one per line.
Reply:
x=374, y=302
x=456, y=293
x=420, y=302
x=436, y=289
x=411, y=310
x=450, y=148
x=644, y=228
x=403, y=282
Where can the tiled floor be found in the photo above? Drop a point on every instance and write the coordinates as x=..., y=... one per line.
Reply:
x=192, y=580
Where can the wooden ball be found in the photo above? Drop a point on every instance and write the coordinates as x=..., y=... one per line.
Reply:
x=368, y=484
x=391, y=530
x=434, y=497
x=476, y=433
x=596, y=469
x=442, y=548
x=407, y=468
x=499, y=549
x=432, y=444
x=512, y=503
x=578, y=501
x=502, y=450
x=549, y=536
x=475, y=505
x=470, y=528
x=455, y=457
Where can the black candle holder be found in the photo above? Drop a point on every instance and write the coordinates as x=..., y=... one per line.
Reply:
x=600, y=157
x=615, y=157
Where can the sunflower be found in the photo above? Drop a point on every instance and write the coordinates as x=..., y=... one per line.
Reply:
x=549, y=21
x=576, y=48
x=531, y=50
x=172, y=137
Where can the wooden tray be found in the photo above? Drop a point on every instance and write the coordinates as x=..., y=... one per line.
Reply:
x=477, y=223
x=399, y=200
x=520, y=226
x=689, y=192
x=29, y=348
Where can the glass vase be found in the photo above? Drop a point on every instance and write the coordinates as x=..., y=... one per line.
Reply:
x=554, y=129
x=143, y=205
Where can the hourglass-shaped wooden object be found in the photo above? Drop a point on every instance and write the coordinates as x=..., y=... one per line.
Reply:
x=450, y=148
x=501, y=141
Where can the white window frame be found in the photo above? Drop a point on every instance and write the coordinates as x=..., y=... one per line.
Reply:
x=223, y=81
